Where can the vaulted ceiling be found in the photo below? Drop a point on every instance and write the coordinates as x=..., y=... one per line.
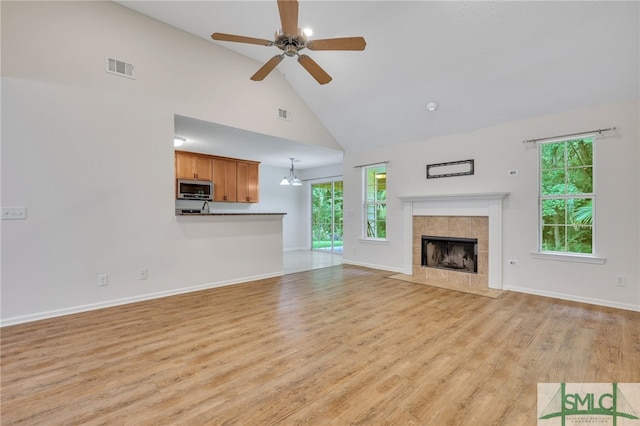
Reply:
x=484, y=63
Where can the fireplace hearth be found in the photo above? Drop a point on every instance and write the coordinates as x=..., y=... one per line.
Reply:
x=452, y=253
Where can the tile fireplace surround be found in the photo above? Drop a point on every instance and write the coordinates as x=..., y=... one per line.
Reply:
x=452, y=226
x=477, y=215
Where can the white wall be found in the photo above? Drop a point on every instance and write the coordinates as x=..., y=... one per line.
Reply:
x=91, y=157
x=288, y=199
x=497, y=150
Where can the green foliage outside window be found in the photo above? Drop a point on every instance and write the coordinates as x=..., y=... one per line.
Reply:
x=327, y=215
x=566, y=196
x=376, y=201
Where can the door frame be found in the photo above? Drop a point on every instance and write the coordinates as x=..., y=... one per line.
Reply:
x=333, y=216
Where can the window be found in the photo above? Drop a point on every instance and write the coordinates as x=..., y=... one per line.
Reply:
x=327, y=216
x=375, y=201
x=567, y=196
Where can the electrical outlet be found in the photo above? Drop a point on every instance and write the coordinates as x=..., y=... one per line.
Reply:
x=513, y=262
x=103, y=279
x=14, y=213
x=621, y=281
x=144, y=274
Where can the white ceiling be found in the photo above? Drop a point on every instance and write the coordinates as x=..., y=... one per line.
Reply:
x=213, y=138
x=485, y=63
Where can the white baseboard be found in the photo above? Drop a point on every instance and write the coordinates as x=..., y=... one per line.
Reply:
x=117, y=302
x=574, y=298
x=296, y=249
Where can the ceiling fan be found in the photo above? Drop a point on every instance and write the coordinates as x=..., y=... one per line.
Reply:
x=291, y=40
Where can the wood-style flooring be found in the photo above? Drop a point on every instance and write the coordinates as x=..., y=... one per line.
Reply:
x=339, y=345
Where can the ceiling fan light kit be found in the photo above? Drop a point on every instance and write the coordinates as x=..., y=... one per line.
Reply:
x=291, y=40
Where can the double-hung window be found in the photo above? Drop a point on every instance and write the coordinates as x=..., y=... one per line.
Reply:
x=375, y=201
x=567, y=196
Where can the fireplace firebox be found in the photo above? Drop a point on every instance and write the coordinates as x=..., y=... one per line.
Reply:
x=456, y=254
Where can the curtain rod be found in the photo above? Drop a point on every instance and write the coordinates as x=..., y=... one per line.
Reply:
x=324, y=177
x=371, y=164
x=599, y=131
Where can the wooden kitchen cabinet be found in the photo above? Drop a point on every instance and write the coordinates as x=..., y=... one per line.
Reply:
x=193, y=166
x=234, y=180
x=247, y=182
x=224, y=179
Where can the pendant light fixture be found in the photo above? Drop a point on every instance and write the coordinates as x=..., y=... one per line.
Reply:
x=292, y=179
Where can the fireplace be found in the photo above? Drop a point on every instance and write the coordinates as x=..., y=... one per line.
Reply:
x=452, y=249
x=452, y=253
x=467, y=215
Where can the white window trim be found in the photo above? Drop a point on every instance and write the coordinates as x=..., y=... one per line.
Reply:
x=374, y=240
x=569, y=256
x=363, y=216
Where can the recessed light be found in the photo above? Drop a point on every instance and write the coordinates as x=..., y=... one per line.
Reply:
x=432, y=106
x=178, y=141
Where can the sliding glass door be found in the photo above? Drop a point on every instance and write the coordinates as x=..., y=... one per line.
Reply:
x=326, y=216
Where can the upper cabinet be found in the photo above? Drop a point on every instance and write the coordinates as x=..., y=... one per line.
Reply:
x=193, y=166
x=224, y=179
x=234, y=180
x=247, y=182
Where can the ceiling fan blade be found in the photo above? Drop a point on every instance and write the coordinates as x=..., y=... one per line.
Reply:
x=346, y=43
x=314, y=69
x=289, y=16
x=267, y=68
x=241, y=39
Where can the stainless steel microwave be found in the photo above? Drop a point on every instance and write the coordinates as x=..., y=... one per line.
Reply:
x=195, y=190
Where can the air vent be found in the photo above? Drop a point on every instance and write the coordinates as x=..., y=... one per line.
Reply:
x=283, y=114
x=121, y=68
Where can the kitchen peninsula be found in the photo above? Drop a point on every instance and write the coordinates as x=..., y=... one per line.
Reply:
x=181, y=213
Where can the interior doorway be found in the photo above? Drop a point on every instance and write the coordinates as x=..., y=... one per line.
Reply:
x=326, y=216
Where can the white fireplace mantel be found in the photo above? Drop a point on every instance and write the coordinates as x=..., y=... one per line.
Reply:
x=474, y=204
x=454, y=197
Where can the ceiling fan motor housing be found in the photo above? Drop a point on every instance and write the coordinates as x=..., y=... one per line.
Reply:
x=290, y=44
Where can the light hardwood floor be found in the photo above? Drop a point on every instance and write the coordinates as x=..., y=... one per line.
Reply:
x=339, y=345
x=306, y=260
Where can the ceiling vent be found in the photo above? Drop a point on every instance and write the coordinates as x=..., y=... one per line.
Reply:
x=283, y=114
x=121, y=68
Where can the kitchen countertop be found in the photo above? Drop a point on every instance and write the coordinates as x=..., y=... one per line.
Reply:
x=178, y=213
